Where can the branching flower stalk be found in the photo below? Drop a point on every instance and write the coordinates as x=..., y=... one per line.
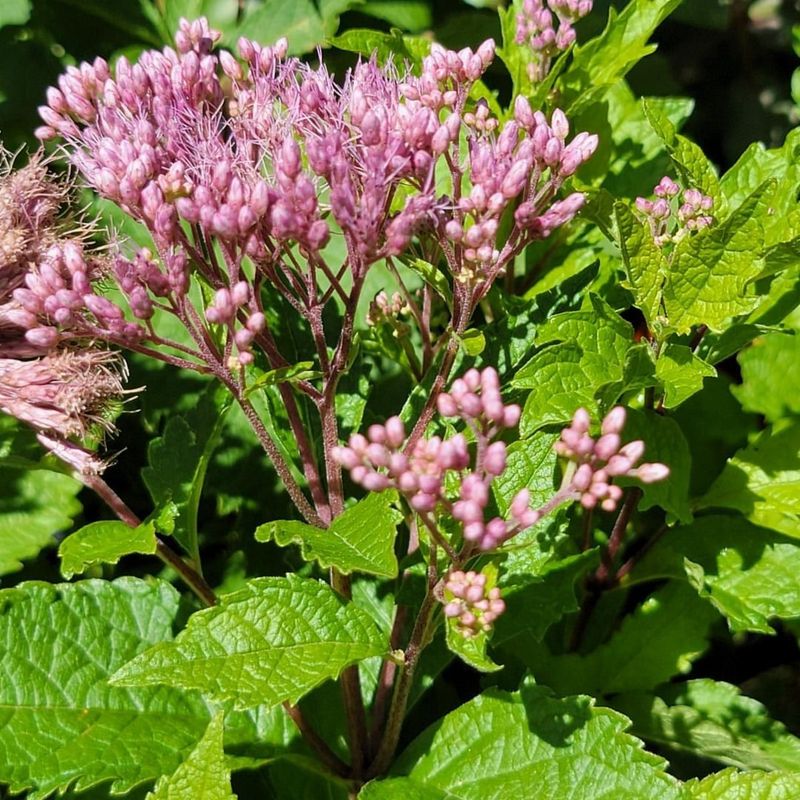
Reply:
x=267, y=189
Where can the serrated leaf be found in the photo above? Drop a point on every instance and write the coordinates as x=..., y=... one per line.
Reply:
x=530, y=464
x=604, y=60
x=694, y=168
x=730, y=784
x=37, y=505
x=270, y=642
x=644, y=261
x=665, y=443
x=61, y=723
x=713, y=720
x=710, y=270
x=762, y=481
x=104, y=543
x=660, y=639
x=770, y=378
x=204, y=774
x=748, y=573
x=179, y=458
x=502, y=745
x=585, y=365
x=360, y=540
x=681, y=373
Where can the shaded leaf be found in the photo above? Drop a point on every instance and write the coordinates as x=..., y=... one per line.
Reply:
x=770, y=378
x=271, y=642
x=681, y=373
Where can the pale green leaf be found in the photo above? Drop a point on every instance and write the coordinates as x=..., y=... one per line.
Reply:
x=644, y=262
x=604, y=60
x=412, y=15
x=270, y=642
x=527, y=744
x=203, y=775
x=584, y=366
x=471, y=650
x=385, y=46
x=734, y=785
x=763, y=481
x=695, y=170
x=472, y=342
x=360, y=540
x=770, y=378
x=61, y=723
x=15, y=12
x=710, y=269
x=179, y=458
x=104, y=543
x=681, y=373
x=713, y=720
x=36, y=505
x=748, y=573
x=660, y=639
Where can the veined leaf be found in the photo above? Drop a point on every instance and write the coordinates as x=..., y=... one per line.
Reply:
x=61, y=723
x=713, y=720
x=681, y=373
x=730, y=784
x=748, y=573
x=503, y=745
x=36, y=505
x=104, y=543
x=178, y=461
x=770, y=378
x=203, y=775
x=660, y=639
x=360, y=540
x=763, y=481
x=385, y=45
x=271, y=642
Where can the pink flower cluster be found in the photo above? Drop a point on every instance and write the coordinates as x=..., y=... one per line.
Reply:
x=469, y=601
x=378, y=462
x=598, y=462
x=671, y=219
x=546, y=26
x=263, y=153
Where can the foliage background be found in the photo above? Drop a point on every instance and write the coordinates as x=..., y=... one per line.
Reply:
x=734, y=59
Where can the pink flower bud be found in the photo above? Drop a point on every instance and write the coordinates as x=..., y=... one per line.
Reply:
x=651, y=473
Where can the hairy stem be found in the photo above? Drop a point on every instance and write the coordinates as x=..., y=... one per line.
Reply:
x=316, y=742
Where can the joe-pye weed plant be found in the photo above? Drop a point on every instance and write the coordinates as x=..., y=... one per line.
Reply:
x=480, y=354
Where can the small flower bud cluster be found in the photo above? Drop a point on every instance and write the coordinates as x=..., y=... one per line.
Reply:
x=377, y=461
x=599, y=461
x=472, y=605
x=673, y=215
x=546, y=26
x=224, y=310
x=386, y=309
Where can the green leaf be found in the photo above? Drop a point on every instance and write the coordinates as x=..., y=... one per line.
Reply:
x=665, y=443
x=412, y=15
x=770, y=378
x=585, y=365
x=15, y=12
x=712, y=720
x=104, y=542
x=603, y=61
x=731, y=784
x=530, y=464
x=360, y=540
x=660, y=639
x=301, y=371
x=271, y=642
x=710, y=270
x=644, y=261
x=411, y=49
x=763, y=481
x=535, y=602
x=694, y=168
x=203, y=775
x=434, y=277
x=179, y=458
x=472, y=342
x=503, y=745
x=36, y=505
x=61, y=721
x=748, y=573
x=681, y=373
